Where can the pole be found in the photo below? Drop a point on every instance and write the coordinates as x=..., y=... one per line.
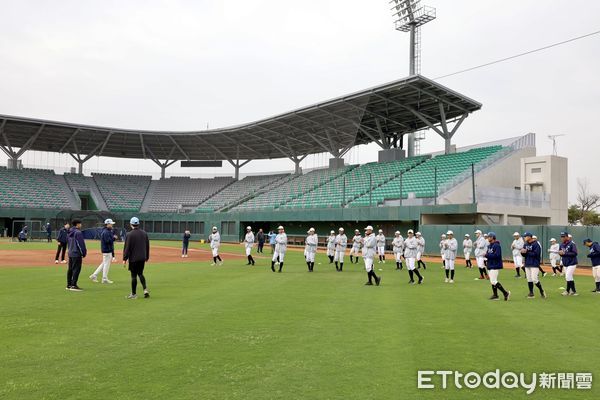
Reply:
x=400, y=188
x=473, y=181
x=370, y=190
x=411, y=54
x=344, y=193
x=435, y=186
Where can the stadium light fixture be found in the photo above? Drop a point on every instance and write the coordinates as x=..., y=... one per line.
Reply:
x=409, y=16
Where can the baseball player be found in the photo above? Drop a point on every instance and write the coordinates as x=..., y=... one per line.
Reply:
x=77, y=252
x=568, y=252
x=516, y=247
x=532, y=251
x=442, y=252
x=381, y=246
x=420, y=250
x=594, y=256
x=137, y=253
x=467, y=249
x=480, y=252
x=368, y=253
x=356, y=243
x=541, y=252
x=555, y=257
x=341, y=242
x=312, y=241
x=450, y=249
x=107, y=240
x=280, y=248
x=487, y=244
x=331, y=246
x=215, y=242
x=185, y=243
x=411, y=246
x=248, y=244
x=494, y=257
x=61, y=238
x=398, y=247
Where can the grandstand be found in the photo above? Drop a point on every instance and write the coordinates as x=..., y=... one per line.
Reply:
x=182, y=193
x=122, y=192
x=33, y=188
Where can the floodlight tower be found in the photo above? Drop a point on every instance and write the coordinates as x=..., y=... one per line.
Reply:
x=409, y=16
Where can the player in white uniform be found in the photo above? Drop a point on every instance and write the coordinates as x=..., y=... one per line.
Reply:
x=481, y=245
x=420, y=250
x=331, y=246
x=555, y=257
x=341, y=242
x=467, y=249
x=312, y=241
x=248, y=244
x=516, y=247
x=398, y=247
x=381, y=246
x=280, y=248
x=541, y=252
x=410, y=255
x=215, y=242
x=450, y=249
x=368, y=253
x=356, y=243
x=442, y=253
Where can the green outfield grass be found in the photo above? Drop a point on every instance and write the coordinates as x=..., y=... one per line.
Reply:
x=237, y=332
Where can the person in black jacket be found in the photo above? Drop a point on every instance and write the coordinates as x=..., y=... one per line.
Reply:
x=107, y=246
x=137, y=252
x=61, y=238
x=77, y=252
x=594, y=256
x=260, y=237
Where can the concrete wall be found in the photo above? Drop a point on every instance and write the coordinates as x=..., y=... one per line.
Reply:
x=548, y=174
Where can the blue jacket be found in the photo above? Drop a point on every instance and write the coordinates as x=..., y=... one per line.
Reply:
x=272, y=237
x=570, y=256
x=595, y=254
x=494, y=256
x=186, y=238
x=533, y=257
x=76, y=244
x=62, y=235
x=49, y=229
x=107, y=241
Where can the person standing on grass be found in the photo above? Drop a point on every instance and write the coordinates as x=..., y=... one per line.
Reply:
x=398, y=248
x=381, y=246
x=49, y=232
x=516, y=247
x=248, y=244
x=356, y=243
x=555, y=257
x=568, y=253
x=420, y=250
x=312, y=241
x=137, y=252
x=368, y=253
x=61, y=238
x=272, y=237
x=494, y=258
x=411, y=246
x=594, y=256
x=467, y=249
x=442, y=252
x=450, y=249
x=480, y=252
x=532, y=251
x=341, y=242
x=215, y=242
x=185, y=243
x=331, y=246
x=77, y=252
x=260, y=238
x=544, y=273
x=107, y=246
x=280, y=249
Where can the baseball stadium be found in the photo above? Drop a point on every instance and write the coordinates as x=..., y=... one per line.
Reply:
x=254, y=281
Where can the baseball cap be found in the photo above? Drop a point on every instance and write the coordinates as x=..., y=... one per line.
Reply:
x=108, y=221
x=467, y=235
x=341, y=229
x=311, y=230
x=369, y=228
x=411, y=231
x=493, y=234
x=248, y=228
x=332, y=232
x=449, y=233
x=485, y=235
x=478, y=231
x=443, y=236
x=528, y=234
x=516, y=234
x=279, y=228
x=381, y=231
x=214, y=228
x=553, y=240
x=134, y=221
x=587, y=240
x=357, y=231
x=418, y=233
x=397, y=233
x=564, y=234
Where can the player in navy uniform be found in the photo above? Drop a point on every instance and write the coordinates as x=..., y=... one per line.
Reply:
x=532, y=251
x=568, y=253
x=594, y=256
x=494, y=257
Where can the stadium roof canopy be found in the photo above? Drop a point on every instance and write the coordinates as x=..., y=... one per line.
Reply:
x=381, y=114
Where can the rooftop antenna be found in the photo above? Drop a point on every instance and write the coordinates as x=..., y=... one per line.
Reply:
x=554, y=147
x=409, y=16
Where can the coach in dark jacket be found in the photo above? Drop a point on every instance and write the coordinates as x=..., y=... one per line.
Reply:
x=568, y=253
x=62, y=238
x=77, y=252
x=137, y=252
x=494, y=257
x=260, y=238
x=594, y=256
x=532, y=251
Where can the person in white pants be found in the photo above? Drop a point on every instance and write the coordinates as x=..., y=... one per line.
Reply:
x=280, y=249
x=381, y=246
x=532, y=251
x=368, y=253
x=341, y=242
x=312, y=241
x=215, y=242
x=467, y=249
x=420, y=250
x=107, y=240
x=398, y=248
x=410, y=255
x=594, y=256
x=516, y=247
x=568, y=253
x=248, y=244
x=442, y=252
x=481, y=245
x=555, y=257
x=331, y=246
x=450, y=249
x=356, y=243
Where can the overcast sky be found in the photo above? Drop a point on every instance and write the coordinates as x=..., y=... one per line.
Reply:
x=182, y=65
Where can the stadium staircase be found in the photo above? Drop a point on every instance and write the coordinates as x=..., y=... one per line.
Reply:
x=80, y=184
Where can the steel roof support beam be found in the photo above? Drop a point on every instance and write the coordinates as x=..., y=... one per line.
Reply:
x=364, y=110
x=143, y=146
x=307, y=132
x=6, y=141
x=82, y=160
x=179, y=148
x=237, y=165
x=163, y=165
x=64, y=146
x=297, y=161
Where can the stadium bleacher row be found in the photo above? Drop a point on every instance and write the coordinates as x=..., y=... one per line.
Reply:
x=350, y=186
